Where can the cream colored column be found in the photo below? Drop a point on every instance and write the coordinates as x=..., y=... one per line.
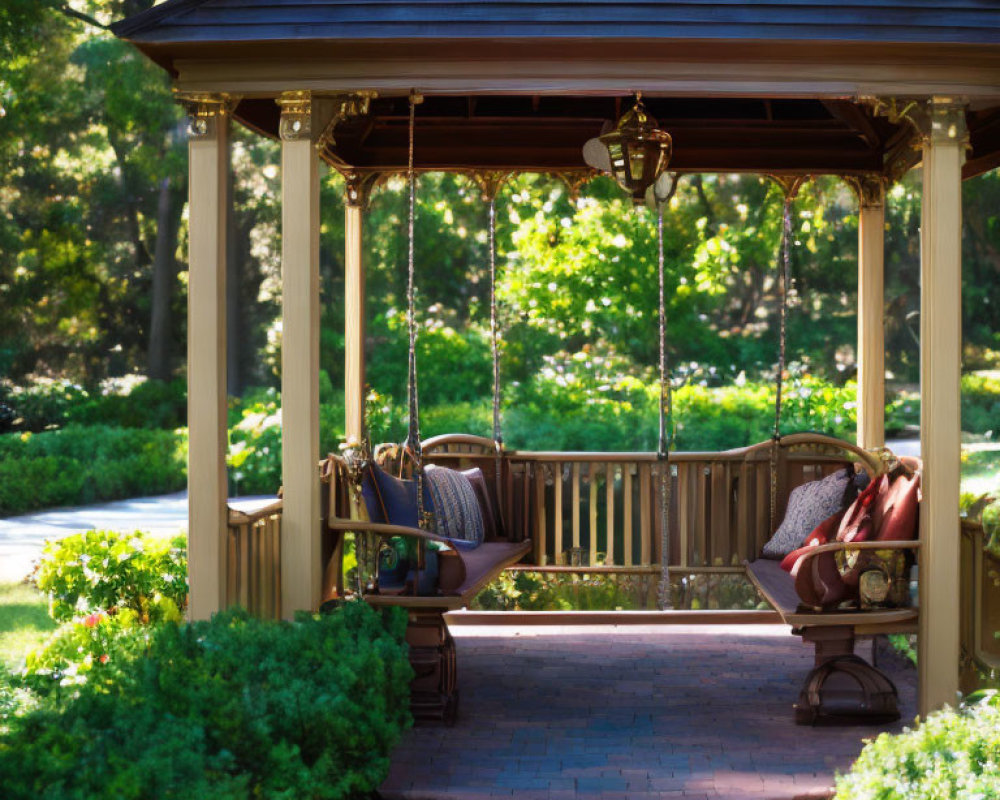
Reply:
x=207, y=487
x=871, y=311
x=357, y=190
x=944, y=143
x=301, y=568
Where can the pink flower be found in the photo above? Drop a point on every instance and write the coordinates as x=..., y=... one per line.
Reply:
x=92, y=620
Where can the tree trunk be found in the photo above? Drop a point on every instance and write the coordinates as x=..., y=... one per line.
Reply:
x=168, y=213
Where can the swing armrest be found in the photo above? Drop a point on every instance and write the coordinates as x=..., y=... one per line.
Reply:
x=386, y=531
x=836, y=547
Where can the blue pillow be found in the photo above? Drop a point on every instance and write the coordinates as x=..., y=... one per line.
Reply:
x=390, y=499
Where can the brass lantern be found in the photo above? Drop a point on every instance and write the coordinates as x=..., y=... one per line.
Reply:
x=637, y=150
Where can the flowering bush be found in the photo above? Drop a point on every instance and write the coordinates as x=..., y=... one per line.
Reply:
x=951, y=754
x=108, y=571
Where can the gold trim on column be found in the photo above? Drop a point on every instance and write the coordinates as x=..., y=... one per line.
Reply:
x=869, y=189
x=358, y=188
x=204, y=109
x=296, y=115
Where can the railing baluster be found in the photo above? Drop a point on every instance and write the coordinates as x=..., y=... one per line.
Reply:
x=627, y=512
x=540, y=515
x=609, y=498
x=684, y=489
x=592, y=471
x=645, y=528
x=576, y=504
x=557, y=515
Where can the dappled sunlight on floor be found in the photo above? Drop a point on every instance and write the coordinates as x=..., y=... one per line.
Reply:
x=631, y=712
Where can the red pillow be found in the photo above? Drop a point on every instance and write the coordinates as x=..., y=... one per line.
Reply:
x=861, y=521
x=898, y=507
x=821, y=534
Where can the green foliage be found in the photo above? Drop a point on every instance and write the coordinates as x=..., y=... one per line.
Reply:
x=86, y=464
x=951, y=754
x=534, y=591
x=135, y=403
x=231, y=708
x=98, y=571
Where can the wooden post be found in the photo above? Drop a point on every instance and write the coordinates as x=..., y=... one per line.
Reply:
x=301, y=570
x=357, y=191
x=871, y=311
x=945, y=138
x=207, y=486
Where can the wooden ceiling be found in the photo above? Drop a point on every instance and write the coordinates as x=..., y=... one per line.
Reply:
x=547, y=134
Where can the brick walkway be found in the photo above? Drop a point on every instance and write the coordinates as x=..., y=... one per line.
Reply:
x=699, y=713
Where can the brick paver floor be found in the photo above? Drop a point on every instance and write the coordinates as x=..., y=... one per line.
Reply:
x=689, y=712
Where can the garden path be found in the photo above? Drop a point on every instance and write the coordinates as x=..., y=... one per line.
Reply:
x=22, y=537
x=631, y=712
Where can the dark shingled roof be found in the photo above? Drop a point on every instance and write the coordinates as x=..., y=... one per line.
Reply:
x=905, y=21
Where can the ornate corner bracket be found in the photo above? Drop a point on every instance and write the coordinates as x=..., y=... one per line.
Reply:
x=576, y=179
x=339, y=109
x=358, y=187
x=205, y=110
x=790, y=184
x=934, y=120
x=296, y=116
x=870, y=189
x=489, y=182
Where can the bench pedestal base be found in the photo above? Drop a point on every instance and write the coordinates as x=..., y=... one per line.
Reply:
x=434, y=689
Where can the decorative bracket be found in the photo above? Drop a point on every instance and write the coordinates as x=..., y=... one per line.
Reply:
x=358, y=188
x=576, y=179
x=790, y=184
x=204, y=110
x=937, y=119
x=345, y=107
x=489, y=182
x=869, y=189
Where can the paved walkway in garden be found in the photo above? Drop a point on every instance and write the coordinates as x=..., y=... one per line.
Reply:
x=685, y=712
x=22, y=537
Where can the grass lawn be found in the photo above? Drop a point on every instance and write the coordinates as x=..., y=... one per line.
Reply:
x=981, y=471
x=24, y=622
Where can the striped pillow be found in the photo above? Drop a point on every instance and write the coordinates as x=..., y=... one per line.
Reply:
x=456, y=508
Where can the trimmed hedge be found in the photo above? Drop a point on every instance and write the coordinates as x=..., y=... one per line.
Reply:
x=232, y=708
x=86, y=464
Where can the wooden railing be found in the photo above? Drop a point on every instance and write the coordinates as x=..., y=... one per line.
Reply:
x=599, y=512
x=253, y=560
x=980, y=610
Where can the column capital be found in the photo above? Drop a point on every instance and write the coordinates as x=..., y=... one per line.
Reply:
x=204, y=110
x=358, y=188
x=939, y=119
x=869, y=189
x=296, y=115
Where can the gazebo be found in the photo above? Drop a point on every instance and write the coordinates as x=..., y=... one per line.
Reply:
x=786, y=88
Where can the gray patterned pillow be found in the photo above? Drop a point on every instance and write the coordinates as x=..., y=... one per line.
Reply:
x=456, y=509
x=808, y=505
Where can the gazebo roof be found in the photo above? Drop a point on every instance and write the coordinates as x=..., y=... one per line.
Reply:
x=927, y=21
x=520, y=84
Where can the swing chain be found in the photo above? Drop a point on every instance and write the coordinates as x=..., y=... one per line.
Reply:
x=784, y=261
x=664, y=591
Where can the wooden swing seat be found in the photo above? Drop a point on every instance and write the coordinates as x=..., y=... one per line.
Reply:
x=434, y=690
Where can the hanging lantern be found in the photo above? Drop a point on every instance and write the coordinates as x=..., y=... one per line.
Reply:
x=637, y=152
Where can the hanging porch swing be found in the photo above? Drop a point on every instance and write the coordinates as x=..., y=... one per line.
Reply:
x=436, y=521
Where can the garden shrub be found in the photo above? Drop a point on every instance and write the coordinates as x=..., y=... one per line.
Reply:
x=99, y=571
x=131, y=402
x=86, y=464
x=232, y=708
x=951, y=754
